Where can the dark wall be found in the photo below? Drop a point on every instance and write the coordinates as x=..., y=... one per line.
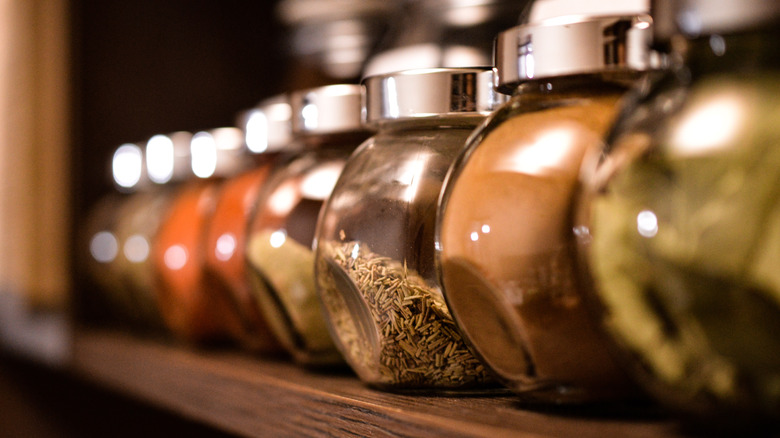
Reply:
x=143, y=67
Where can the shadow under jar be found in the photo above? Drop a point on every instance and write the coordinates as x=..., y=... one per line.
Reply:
x=504, y=236
x=375, y=265
x=680, y=221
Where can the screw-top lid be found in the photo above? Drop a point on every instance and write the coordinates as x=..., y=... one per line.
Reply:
x=706, y=17
x=572, y=45
x=168, y=157
x=332, y=109
x=430, y=93
x=218, y=152
x=268, y=126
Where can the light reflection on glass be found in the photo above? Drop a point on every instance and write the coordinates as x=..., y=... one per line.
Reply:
x=318, y=184
x=159, y=158
x=486, y=228
x=283, y=200
x=718, y=45
x=709, y=126
x=647, y=223
x=127, y=165
x=226, y=246
x=175, y=257
x=278, y=238
x=582, y=233
x=136, y=248
x=411, y=175
x=474, y=236
x=204, y=154
x=103, y=247
x=547, y=152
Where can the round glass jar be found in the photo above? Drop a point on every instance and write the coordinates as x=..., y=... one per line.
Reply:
x=504, y=241
x=375, y=249
x=267, y=131
x=679, y=225
x=191, y=309
x=166, y=163
x=279, y=256
x=100, y=247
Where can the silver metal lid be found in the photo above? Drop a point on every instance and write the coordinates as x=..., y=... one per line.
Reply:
x=332, y=109
x=439, y=92
x=707, y=17
x=218, y=152
x=168, y=157
x=572, y=45
x=127, y=168
x=268, y=126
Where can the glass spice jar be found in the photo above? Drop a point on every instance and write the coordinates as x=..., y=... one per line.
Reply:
x=678, y=225
x=166, y=163
x=375, y=249
x=504, y=242
x=267, y=134
x=191, y=309
x=280, y=261
x=99, y=247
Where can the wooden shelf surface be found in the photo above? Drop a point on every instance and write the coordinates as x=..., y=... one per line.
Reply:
x=251, y=396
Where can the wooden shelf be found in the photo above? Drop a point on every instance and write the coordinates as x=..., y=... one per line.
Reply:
x=251, y=396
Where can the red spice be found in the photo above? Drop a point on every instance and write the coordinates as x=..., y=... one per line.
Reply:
x=191, y=309
x=225, y=251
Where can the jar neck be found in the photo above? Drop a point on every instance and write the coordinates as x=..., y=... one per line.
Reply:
x=470, y=121
x=333, y=141
x=578, y=85
x=743, y=52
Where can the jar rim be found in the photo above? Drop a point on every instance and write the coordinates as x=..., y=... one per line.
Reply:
x=573, y=45
x=429, y=93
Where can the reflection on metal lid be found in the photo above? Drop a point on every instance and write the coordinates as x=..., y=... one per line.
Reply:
x=159, y=158
x=127, y=165
x=204, y=154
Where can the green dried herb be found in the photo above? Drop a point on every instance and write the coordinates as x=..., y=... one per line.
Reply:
x=394, y=328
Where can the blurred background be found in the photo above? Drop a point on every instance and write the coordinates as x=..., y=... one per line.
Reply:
x=78, y=78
